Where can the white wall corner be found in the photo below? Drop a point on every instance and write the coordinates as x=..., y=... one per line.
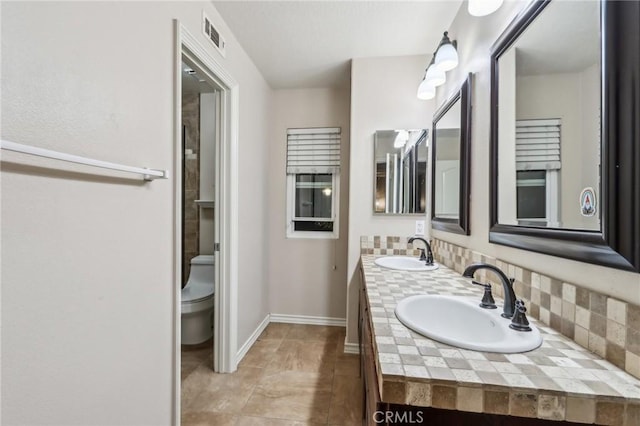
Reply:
x=252, y=339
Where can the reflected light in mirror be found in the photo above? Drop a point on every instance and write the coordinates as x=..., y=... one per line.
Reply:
x=402, y=137
x=483, y=7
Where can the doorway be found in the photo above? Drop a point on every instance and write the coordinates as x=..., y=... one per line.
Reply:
x=199, y=164
x=217, y=226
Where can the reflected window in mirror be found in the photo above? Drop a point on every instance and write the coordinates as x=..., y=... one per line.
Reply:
x=450, y=162
x=538, y=166
x=563, y=138
x=549, y=99
x=400, y=164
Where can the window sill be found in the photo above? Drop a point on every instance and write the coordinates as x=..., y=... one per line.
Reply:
x=313, y=235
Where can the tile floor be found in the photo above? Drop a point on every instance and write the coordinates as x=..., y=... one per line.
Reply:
x=294, y=375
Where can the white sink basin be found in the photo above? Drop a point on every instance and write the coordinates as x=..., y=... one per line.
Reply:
x=404, y=263
x=459, y=321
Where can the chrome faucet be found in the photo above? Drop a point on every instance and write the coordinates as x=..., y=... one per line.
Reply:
x=428, y=258
x=507, y=285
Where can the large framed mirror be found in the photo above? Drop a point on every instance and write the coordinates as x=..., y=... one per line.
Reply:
x=565, y=135
x=400, y=165
x=450, y=162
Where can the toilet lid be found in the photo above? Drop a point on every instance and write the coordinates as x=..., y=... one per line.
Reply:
x=195, y=292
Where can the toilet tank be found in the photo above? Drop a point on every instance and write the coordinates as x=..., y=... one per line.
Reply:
x=202, y=270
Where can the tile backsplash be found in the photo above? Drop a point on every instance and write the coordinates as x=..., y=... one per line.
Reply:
x=387, y=246
x=606, y=326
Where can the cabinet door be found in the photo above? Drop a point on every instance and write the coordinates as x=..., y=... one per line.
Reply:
x=372, y=395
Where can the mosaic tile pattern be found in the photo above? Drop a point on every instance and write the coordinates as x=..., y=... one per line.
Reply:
x=387, y=246
x=606, y=326
x=560, y=380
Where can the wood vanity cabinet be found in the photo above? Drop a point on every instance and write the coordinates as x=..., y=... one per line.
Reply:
x=371, y=392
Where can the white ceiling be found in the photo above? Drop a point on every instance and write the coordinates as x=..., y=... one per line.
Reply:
x=306, y=44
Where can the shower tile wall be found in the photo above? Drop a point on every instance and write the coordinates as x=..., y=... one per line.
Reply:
x=191, y=214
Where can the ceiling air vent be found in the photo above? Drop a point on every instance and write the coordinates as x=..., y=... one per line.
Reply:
x=213, y=35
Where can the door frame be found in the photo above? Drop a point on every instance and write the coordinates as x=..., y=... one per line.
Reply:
x=226, y=206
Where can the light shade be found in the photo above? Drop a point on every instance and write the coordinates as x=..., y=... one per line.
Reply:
x=435, y=76
x=426, y=91
x=402, y=136
x=447, y=55
x=483, y=7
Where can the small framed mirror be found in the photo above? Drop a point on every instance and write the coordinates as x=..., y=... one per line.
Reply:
x=450, y=147
x=565, y=179
x=400, y=165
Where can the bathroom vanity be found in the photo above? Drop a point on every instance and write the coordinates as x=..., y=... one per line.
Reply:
x=411, y=379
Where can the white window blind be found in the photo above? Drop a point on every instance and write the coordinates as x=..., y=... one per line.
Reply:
x=538, y=144
x=314, y=150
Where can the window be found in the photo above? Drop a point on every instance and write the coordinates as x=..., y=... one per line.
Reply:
x=532, y=197
x=537, y=171
x=313, y=182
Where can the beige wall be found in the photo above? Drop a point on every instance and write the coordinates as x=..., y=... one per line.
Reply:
x=306, y=276
x=88, y=261
x=475, y=37
x=383, y=97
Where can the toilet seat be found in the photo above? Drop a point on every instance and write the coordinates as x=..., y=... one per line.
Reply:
x=197, y=302
x=195, y=292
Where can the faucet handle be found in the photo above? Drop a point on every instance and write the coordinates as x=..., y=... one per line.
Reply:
x=429, y=259
x=487, y=298
x=423, y=256
x=520, y=321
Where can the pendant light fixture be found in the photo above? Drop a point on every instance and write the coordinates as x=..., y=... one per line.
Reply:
x=426, y=90
x=483, y=7
x=446, y=55
x=444, y=59
x=434, y=75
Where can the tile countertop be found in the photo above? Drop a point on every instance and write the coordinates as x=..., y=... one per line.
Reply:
x=560, y=380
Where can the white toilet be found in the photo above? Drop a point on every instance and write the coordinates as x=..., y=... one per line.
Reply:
x=197, y=302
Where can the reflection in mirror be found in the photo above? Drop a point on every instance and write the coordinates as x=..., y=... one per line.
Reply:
x=549, y=121
x=564, y=132
x=400, y=171
x=450, y=162
x=447, y=165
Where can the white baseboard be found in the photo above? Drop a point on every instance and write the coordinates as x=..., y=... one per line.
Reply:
x=293, y=319
x=252, y=339
x=351, y=348
x=304, y=319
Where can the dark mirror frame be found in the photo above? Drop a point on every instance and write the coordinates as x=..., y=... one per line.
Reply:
x=617, y=245
x=461, y=224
